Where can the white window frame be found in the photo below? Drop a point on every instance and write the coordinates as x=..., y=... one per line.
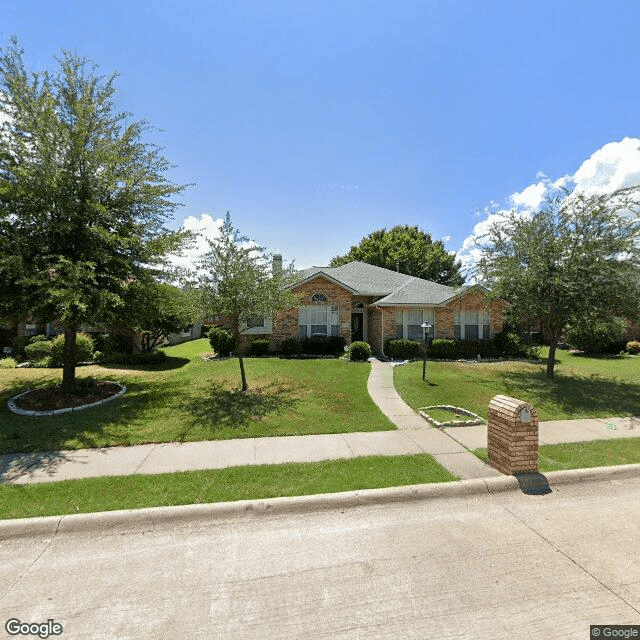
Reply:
x=461, y=318
x=426, y=313
x=306, y=317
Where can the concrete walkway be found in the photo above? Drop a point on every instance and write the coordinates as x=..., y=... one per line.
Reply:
x=413, y=435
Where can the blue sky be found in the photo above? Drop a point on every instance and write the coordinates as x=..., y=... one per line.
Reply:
x=316, y=123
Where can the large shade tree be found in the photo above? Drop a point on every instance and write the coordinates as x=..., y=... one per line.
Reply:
x=238, y=283
x=83, y=197
x=408, y=250
x=575, y=260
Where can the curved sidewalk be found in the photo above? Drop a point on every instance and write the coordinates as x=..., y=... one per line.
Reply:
x=412, y=436
x=447, y=451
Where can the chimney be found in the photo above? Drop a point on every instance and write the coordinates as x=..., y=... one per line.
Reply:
x=276, y=267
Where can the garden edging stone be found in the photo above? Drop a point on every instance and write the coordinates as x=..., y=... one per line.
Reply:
x=57, y=412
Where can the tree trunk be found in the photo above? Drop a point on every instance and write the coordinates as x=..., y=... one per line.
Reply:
x=69, y=359
x=552, y=356
x=245, y=386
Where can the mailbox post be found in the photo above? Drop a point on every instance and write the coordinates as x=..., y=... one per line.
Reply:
x=512, y=435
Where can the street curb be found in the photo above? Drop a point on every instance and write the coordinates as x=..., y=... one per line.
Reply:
x=153, y=517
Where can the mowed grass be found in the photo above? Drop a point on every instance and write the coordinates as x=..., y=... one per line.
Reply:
x=219, y=485
x=582, y=455
x=189, y=399
x=583, y=387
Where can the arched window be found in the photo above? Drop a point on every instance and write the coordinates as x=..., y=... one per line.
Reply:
x=358, y=305
x=318, y=297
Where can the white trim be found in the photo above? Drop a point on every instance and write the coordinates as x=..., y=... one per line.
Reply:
x=480, y=322
x=427, y=313
x=332, y=313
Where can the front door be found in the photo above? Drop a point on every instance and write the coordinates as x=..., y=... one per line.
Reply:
x=356, y=327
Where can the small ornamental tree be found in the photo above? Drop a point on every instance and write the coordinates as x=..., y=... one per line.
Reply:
x=238, y=283
x=575, y=260
x=154, y=310
x=83, y=198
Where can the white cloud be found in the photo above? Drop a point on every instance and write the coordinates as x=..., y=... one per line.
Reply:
x=531, y=197
x=207, y=228
x=614, y=166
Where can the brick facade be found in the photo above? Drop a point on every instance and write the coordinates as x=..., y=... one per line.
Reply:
x=379, y=322
x=512, y=435
x=285, y=322
x=473, y=301
x=382, y=326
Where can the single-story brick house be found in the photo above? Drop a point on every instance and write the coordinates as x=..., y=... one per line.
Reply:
x=363, y=302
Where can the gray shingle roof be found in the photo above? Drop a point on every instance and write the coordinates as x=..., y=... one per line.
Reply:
x=396, y=288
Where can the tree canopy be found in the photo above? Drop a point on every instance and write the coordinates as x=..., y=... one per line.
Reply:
x=408, y=250
x=155, y=309
x=83, y=197
x=575, y=260
x=238, y=283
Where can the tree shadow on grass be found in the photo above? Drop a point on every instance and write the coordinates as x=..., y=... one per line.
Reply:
x=48, y=434
x=219, y=407
x=583, y=395
x=172, y=362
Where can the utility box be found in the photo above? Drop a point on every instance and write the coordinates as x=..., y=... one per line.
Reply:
x=512, y=435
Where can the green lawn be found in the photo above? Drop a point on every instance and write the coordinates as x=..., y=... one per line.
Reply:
x=188, y=399
x=218, y=485
x=583, y=387
x=582, y=455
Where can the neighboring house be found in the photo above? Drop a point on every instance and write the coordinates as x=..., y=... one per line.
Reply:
x=190, y=333
x=360, y=301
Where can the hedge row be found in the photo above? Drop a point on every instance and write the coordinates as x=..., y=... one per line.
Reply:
x=316, y=346
x=506, y=343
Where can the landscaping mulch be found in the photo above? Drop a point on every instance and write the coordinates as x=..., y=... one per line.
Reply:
x=52, y=398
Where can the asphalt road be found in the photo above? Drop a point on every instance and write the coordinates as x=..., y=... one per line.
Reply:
x=503, y=566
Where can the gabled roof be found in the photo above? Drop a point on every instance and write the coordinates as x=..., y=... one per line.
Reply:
x=395, y=288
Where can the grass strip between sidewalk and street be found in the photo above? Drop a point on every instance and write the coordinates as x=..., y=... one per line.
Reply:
x=217, y=485
x=583, y=455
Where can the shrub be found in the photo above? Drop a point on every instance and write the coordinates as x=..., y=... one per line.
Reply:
x=444, y=348
x=511, y=344
x=359, y=351
x=37, y=350
x=633, y=347
x=43, y=363
x=290, y=346
x=596, y=336
x=259, y=346
x=8, y=363
x=155, y=356
x=221, y=340
x=404, y=349
x=84, y=348
x=322, y=345
x=110, y=343
x=39, y=338
x=98, y=357
x=454, y=348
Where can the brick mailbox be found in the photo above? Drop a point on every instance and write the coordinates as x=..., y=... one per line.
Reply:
x=512, y=435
